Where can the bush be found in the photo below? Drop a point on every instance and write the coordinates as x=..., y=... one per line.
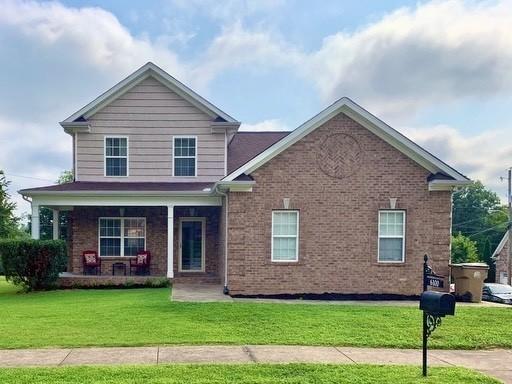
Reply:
x=464, y=250
x=33, y=264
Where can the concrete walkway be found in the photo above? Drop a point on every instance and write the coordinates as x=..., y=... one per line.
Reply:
x=497, y=363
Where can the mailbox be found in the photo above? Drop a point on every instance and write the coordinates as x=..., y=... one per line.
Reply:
x=437, y=303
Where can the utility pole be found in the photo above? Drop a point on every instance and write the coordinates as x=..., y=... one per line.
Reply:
x=509, y=272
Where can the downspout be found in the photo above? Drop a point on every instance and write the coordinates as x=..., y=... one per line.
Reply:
x=226, y=200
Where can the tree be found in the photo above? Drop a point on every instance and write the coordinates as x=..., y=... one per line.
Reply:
x=46, y=214
x=479, y=215
x=463, y=250
x=65, y=177
x=9, y=223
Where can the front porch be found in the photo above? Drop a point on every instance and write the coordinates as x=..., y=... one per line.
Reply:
x=185, y=240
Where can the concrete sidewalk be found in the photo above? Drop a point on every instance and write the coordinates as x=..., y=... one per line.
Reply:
x=497, y=363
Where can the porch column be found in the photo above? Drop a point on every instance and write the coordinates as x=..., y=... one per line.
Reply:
x=35, y=220
x=170, y=241
x=55, y=224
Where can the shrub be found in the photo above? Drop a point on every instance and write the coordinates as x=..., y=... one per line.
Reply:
x=33, y=264
x=464, y=250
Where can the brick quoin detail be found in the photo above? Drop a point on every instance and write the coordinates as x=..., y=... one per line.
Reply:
x=338, y=220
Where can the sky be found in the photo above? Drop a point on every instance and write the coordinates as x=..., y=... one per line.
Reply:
x=440, y=72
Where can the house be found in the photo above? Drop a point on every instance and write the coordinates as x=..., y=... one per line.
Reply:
x=342, y=204
x=500, y=257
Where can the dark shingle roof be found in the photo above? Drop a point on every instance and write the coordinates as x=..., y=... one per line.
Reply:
x=247, y=145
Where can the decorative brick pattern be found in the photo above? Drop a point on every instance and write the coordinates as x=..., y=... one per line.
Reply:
x=338, y=220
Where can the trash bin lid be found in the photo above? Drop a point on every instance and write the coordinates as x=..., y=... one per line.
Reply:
x=471, y=265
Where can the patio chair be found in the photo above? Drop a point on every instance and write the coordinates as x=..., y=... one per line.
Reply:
x=91, y=262
x=141, y=263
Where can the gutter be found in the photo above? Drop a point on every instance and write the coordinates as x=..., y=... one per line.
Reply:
x=236, y=186
x=24, y=192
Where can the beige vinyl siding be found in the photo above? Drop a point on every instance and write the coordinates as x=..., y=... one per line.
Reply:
x=150, y=115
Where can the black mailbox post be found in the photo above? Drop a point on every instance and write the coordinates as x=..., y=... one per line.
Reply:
x=434, y=305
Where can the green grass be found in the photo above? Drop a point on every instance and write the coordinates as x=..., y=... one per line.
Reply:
x=136, y=317
x=192, y=374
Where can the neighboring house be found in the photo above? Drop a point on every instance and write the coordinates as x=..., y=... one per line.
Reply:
x=500, y=257
x=342, y=204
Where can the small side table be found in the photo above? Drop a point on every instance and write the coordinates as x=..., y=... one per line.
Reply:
x=118, y=267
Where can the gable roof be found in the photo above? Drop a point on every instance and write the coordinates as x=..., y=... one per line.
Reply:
x=500, y=246
x=246, y=145
x=79, y=118
x=370, y=122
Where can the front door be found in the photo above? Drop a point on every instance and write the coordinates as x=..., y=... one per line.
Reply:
x=192, y=233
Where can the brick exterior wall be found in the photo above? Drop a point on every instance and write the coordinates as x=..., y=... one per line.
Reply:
x=338, y=177
x=502, y=262
x=84, y=236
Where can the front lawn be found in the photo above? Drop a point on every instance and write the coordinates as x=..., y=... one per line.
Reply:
x=291, y=373
x=136, y=317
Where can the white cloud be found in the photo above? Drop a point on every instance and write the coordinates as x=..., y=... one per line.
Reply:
x=414, y=57
x=228, y=9
x=237, y=47
x=440, y=51
x=484, y=156
x=266, y=125
x=92, y=35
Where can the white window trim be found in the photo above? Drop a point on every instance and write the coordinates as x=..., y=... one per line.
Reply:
x=119, y=157
x=287, y=236
x=391, y=237
x=122, y=237
x=203, y=244
x=183, y=157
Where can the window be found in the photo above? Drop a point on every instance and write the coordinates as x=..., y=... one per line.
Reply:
x=185, y=156
x=122, y=236
x=391, y=236
x=285, y=235
x=116, y=156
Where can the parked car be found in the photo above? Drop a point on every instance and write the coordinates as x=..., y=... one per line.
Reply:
x=499, y=293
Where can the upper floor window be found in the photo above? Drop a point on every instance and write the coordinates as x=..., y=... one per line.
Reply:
x=285, y=235
x=116, y=156
x=391, y=236
x=185, y=156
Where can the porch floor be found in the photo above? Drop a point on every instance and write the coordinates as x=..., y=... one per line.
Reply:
x=198, y=292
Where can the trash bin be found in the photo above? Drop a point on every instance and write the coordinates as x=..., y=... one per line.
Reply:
x=469, y=278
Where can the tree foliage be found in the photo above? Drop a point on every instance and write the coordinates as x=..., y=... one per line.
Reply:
x=9, y=224
x=464, y=249
x=46, y=214
x=479, y=215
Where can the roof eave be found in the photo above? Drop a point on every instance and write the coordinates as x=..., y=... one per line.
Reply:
x=447, y=185
x=234, y=186
x=30, y=193
x=76, y=127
